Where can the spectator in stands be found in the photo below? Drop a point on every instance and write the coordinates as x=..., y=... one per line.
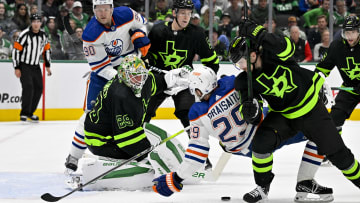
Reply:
x=274, y=28
x=205, y=20
x=55, y=39
x=225, y=25
x=68, y=4
x=351, y=6
x=33, y=9
x=21, y=17
x=321, y=49
x=63, y=19
x=6, y=23
x=216, y=9
x=12, y=6
x=314, y=34
x=292, y=20
x=80, y=18
x=340, y=14
x=261, y=12
x=76, y=52
x=14, y=35
x=195, y=20
x=306, y=5
x=286, y=7
x=302, y=48
x=234, y=11
x=219, y=46
x=310, y=17
x=161, y=11
x=5, y=46
x=221, y=4
x=49, y=9
x=69, y=38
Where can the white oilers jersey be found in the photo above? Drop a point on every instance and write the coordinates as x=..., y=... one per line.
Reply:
x=104, y=47
x=218, y=117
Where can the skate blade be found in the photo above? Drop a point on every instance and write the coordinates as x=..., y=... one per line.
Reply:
x=304, y=197
x=74, y=182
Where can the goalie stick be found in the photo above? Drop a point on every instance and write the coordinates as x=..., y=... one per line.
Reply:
x=50, y=198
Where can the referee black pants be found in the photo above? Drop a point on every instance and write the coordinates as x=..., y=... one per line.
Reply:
x=32, y=86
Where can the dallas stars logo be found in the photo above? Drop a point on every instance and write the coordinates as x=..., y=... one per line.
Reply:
x=173, y=57
x=352, y=70
x=279, y=83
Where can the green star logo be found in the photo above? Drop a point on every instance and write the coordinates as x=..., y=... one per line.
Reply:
x=352, y=70
x=173, y=57
x=279, y=83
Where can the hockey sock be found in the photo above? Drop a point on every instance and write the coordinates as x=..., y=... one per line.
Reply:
x=310, y=162
x=262, y=166
x=353, y=173
x=78, y=145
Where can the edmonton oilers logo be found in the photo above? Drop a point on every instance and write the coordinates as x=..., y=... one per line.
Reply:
x=114, y=48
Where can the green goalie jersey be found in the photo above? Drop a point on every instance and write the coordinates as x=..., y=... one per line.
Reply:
x=288, y=88
x=174, y=49
x=118, y=116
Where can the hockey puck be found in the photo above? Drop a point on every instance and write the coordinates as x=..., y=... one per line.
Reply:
x=225, y=198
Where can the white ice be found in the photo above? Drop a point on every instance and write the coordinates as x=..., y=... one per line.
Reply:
x=33, y=156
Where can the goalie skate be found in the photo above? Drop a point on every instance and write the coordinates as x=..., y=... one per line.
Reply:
x=74, y=181
x=311, y=191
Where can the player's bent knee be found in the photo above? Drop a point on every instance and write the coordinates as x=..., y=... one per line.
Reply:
x=264, y=141
x=342, y=159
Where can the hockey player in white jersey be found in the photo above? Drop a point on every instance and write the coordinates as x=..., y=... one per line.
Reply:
x=109, y=36
x=216, y=113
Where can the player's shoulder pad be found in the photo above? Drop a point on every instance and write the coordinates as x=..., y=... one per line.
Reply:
x=226, y=83
x=93, y=30
x=240, y=80
x=198, y=109
x=123, y=15
x=196, y=30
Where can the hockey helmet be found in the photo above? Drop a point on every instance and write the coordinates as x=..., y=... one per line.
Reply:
x=102, y=2
x=132, y=71
x=183, y=4
x=203, y=79
x=238, y=50
x=351, y=23
x=35, y=16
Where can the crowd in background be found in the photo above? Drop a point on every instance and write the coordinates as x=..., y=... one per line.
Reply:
x=304, y=21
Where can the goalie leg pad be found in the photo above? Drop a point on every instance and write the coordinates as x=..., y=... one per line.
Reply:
x=133, y=176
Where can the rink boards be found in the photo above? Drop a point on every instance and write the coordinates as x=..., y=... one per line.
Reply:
x=65, y=91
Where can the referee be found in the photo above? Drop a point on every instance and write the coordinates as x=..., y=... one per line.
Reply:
x=30, y=45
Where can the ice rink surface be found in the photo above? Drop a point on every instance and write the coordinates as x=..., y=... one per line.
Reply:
x=33, y=156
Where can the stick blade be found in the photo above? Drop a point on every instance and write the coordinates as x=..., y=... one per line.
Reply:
x=49, y=197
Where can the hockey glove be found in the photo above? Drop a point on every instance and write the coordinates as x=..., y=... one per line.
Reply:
x=140, y=41
x=177, y=77
x=248, y=28
x=325, y=93
x=251, y=111
x=167, y=184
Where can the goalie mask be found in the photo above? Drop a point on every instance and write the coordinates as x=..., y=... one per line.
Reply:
x=132, y=71
x=204, y=80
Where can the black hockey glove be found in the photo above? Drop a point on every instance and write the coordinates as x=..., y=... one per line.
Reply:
x=251, y=111
x=248, y=28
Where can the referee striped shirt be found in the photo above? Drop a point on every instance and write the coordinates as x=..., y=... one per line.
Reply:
x=29, y=47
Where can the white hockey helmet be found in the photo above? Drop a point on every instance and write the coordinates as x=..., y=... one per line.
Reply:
x=132, y=71
x=102, y=2
x=203, y=79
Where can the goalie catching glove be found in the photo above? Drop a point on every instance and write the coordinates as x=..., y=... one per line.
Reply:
x=251, y=111
x=167, y=184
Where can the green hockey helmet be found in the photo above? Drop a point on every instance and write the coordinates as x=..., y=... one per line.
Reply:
x=132, y=71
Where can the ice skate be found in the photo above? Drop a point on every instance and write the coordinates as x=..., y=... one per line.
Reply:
x=258, y=195
x=311, y=191
x=71, y=164
x=74, y=181
x=31, y=119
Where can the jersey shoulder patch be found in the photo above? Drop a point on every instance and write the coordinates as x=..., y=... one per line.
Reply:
x=198, y=109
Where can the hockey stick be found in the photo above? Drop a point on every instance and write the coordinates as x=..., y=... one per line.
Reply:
x=342, y=88
x=50, y=198
x=220, y=165
x=249, y=74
